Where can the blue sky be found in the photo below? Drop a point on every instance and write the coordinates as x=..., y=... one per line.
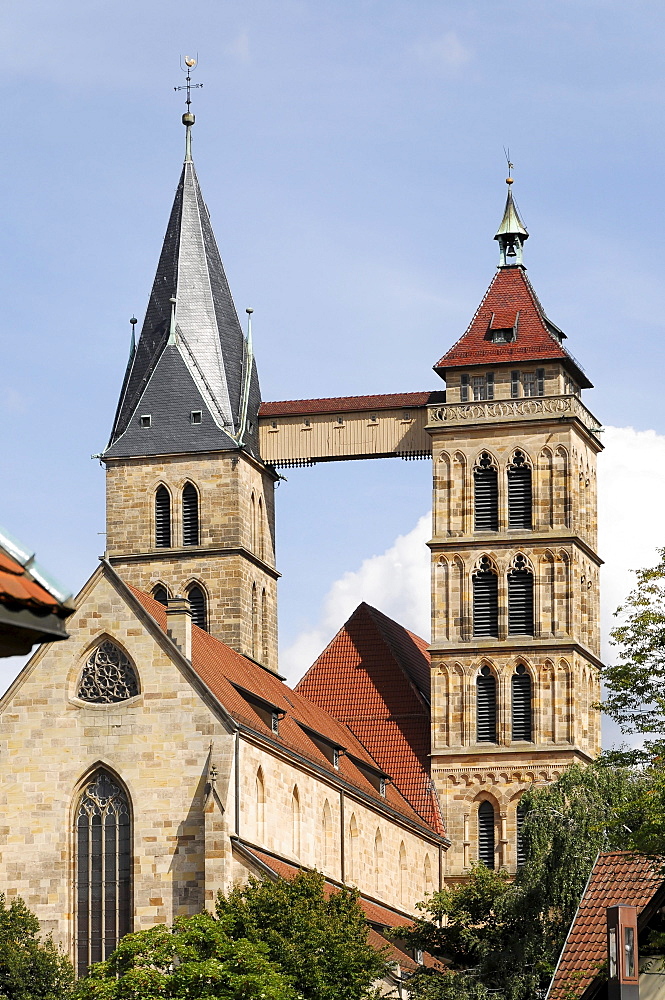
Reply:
x=351, y=154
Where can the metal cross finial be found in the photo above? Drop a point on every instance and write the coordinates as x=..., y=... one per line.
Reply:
x=190, y=64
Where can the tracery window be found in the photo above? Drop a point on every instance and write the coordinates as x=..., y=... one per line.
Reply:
x=519, y=492
x=107, y=676
x=485, y=600
x=486, y=834
x=103, y=870
x=520, y=598
x=485, y=495
x=485, y=706
x=521, y=703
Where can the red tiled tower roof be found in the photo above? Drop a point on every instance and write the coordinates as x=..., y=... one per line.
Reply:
x=510, y=301
x=375, y=677
x=619, y=877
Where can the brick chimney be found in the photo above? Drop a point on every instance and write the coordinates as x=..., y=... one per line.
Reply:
x=179, y=624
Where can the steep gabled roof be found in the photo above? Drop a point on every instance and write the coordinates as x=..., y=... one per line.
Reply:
x=346, y=404
x=375, y=678
x=617, y=877
x=192, y=353
x=240, y=686
x=510, y=296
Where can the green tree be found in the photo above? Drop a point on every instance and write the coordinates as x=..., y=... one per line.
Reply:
x=30, y=968
x=319, y=939
x=196, y=959
x=505, y=936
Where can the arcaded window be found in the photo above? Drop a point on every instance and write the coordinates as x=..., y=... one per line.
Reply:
x=486, y=834
x=521, y=703
x=485, y=600
x=163, y=518
x=107, y=676
x=485, y=706
x=486, y=495
x=519, y=493
x=103, y=870
x=199, y=606
x=520, y=598
x=190, y=515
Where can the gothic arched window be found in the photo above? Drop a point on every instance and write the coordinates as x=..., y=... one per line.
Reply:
x=485, y=706
x=486, y=495
x=190, y=515
x=163, y=518
x=521, y=849
x=107, y=676
x=519, y=493
x=520, y=598
x=161, y=594
x=486, y=834
x=521, y=703
x=485, y=600
x=103, y=870
x=198, y=604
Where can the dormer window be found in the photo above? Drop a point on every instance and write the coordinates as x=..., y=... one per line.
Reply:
x=503, y=327
x=335, y=758
x=146, y=420
x=274, y=723
x=382, y=787
x=196, y=416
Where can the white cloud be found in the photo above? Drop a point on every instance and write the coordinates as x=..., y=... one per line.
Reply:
x=631, y=488
x=396, y=582
x=445, y=52
x=239, y=47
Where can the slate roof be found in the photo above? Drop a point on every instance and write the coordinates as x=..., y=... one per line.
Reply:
x=617, y=877
x=32, y=608
x=233, y=680
x=375, y=678
x=343, y=404
x=200, y=367
x=537, y=339
x=378, y=917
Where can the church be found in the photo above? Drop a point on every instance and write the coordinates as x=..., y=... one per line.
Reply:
x=157, y=756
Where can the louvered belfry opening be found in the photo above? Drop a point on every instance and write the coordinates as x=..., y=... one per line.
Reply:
x=486, y=834
x=190, y=515
x=163, y=518
x=485, y=600
x=486, y=495
x=161, y=594
x=485, y=706
x=519, y=493
x=521, y=703
x=521, y=849
x=198, y=604
x=520, y=598
x=103, y=870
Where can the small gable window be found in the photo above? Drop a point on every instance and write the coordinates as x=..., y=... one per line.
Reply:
x=503, y=327
x=107, y=676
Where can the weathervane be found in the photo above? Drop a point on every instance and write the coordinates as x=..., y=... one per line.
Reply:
x=188, y=118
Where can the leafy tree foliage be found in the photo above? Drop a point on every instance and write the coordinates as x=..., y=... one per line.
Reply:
x=320, y=940
x=30, y=968
x=505, y=937
x=195, y=960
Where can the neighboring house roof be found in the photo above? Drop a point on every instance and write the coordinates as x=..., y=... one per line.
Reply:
x=378, y=917
x=617, y=877
x=510, y=296
x=33, y=608
x=244, y=688
x=375, y=678
x=345, y=404
x=192, y=353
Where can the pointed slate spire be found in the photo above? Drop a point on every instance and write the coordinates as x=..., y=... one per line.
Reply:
x=512, y=233
x=191, y=354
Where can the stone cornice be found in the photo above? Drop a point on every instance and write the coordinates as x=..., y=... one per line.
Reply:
x=505, y=540
x=194, y=552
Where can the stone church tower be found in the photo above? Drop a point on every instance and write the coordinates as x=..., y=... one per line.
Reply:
x=189, y=501
x=515, y=603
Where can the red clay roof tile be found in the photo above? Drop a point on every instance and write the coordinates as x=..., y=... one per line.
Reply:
x=375, y=678
x=341, y=404
x=510, y=292
x=17, y=587
x=618, y=877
